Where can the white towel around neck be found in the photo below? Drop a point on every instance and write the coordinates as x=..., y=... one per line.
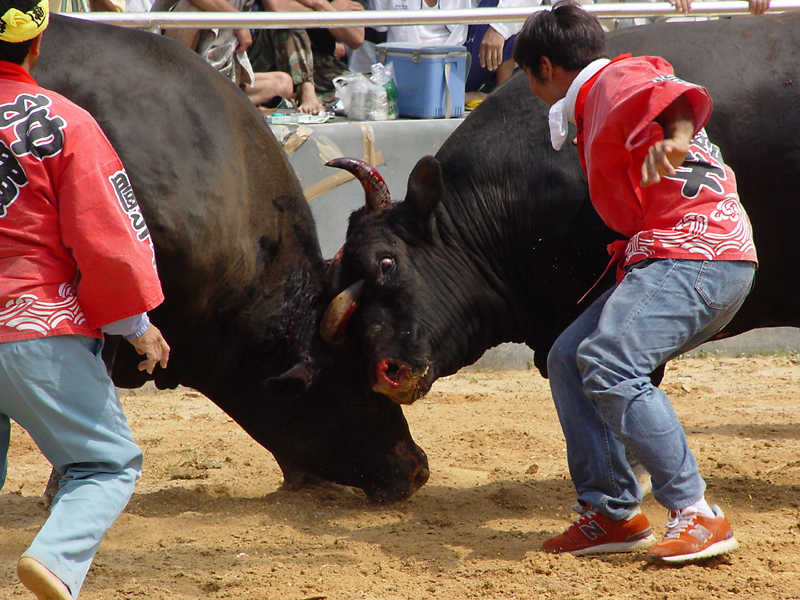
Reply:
x=562, y=113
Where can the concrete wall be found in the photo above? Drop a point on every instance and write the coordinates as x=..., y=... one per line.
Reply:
x=398, y=146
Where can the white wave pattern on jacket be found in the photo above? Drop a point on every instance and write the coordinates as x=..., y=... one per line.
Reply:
x=29, y=313
x=691, y=234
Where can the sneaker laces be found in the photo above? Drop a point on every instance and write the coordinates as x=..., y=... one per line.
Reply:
x=581, y=509
x=589, y=511
x=678, y=522
x=585, y=513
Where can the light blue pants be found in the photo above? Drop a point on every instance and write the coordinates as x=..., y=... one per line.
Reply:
x=599, y=371
x=58, y=390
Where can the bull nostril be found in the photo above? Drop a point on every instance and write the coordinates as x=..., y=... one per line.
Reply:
x=393, y=374
x=392, y=371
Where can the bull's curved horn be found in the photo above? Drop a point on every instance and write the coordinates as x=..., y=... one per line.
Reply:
x=334, y=321
x=375, y=188
x=335, y=270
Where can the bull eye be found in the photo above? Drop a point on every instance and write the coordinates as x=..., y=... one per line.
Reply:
x=386, y=263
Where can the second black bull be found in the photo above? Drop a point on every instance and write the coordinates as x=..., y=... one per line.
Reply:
x=497, y=240
x=238, y=257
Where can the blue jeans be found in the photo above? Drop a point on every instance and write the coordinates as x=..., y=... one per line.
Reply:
x=57, y=389
x=599, y=370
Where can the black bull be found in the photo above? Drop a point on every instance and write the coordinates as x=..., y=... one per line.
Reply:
x=238, y=257
x=497, y=240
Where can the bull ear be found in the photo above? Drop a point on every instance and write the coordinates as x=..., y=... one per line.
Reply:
x=425, y=186
x=290, y=385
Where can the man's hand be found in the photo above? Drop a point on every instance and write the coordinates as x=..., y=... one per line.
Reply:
x=677, y=122
x=662, y=159
x=491, y=52
x=153, y=345
x=682, y=6
x=245, y=39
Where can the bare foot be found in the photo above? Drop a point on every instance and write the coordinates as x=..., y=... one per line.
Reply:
x=307, y=101
x=41, y=581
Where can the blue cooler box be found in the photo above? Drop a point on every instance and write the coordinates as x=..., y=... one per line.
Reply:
x=426, y=76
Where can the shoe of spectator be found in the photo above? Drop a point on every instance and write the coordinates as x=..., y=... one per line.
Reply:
x=692, y=537
x=594, y=533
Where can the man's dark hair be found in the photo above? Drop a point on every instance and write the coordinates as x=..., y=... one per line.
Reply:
x=15, y=52
x=567, y=35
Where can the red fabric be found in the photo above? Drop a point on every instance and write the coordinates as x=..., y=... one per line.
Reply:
x=74, y=252
x=693, y=215
x=580, y=101
x=14, y=72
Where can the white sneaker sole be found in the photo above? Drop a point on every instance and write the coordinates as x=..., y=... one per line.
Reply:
x=620, y=547
x=716, y=549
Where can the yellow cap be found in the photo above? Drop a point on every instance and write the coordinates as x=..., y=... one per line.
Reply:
x=17, y=26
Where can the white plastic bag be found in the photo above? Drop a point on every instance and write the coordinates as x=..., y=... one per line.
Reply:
x=354, y=90
x=368, y=98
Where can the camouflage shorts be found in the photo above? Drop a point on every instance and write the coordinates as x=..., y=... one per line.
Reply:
x=287, y=50
x=326, y=69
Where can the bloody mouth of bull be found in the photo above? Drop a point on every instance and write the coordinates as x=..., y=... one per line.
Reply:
x=392, y=374
x=397, y=381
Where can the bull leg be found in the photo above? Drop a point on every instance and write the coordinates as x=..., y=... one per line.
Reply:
x=46, y=501
x=658, y=375
x=642, y=476
x=110, y=347
x=295, y=478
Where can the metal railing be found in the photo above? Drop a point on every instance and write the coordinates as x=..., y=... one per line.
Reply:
x=376, y=18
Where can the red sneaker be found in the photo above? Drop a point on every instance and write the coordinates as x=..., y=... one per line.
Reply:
x=594, y=533
x=693, y=537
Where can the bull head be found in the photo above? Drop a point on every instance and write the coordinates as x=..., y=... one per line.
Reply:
x=377, y=196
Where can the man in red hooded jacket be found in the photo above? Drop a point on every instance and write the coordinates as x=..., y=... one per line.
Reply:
x=76, y=261
x=684, y=270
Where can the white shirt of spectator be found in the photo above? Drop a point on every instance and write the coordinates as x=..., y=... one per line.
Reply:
x=424, y=35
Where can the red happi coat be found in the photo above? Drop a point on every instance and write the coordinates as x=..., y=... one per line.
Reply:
x=75, y=253
x=695, y=214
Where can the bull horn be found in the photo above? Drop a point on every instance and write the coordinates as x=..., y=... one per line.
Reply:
x=334, y=321
x=375, y=189
x=335, y=270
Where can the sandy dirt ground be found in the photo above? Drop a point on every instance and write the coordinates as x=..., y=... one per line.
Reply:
x=209, y=520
